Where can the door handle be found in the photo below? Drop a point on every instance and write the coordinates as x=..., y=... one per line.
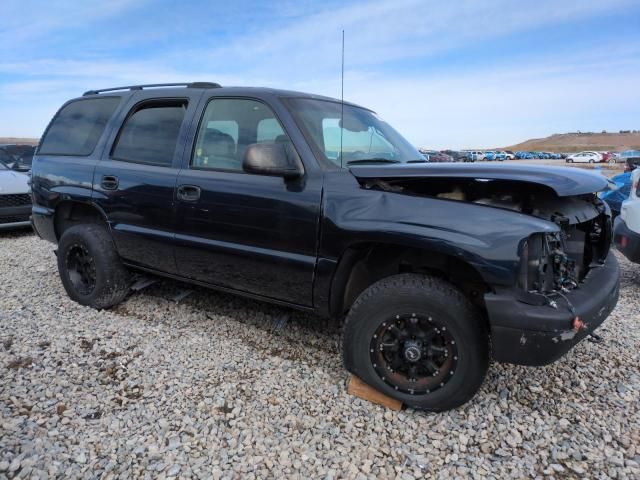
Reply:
x=109, y=182
x=188, y=193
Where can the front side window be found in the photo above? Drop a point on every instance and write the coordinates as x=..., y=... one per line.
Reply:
x=228, y=127
x=352, y=136
x=77, y=127
x=150, y=134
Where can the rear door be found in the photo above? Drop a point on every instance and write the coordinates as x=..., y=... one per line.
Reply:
x=134, y=182
x=252, y=233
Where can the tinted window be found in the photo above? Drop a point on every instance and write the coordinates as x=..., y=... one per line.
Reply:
x=228, y=127
x=76, y=128
x=150, y=134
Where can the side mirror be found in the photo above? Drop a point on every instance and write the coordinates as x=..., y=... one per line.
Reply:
x=274, y=159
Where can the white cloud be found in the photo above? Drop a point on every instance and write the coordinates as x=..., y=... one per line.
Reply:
x=458, y=106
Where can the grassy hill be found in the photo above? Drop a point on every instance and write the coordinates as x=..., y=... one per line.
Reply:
x=576, y=142
x=22, y=141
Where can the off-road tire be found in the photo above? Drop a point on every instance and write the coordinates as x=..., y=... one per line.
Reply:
x=424, y=295
x=112, y=279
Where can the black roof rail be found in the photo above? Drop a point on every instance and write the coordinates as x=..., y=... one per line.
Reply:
x=154, y=85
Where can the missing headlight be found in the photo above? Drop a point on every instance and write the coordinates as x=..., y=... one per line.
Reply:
x=544, y=264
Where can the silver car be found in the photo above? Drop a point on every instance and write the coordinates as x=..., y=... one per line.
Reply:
x=15, y=199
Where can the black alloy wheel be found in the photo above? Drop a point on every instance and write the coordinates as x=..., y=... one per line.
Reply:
x=81, y=268
x=414, y=354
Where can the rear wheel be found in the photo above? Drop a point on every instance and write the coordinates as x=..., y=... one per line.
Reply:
x=591, y=160
x=90, y=268
x=416, y=338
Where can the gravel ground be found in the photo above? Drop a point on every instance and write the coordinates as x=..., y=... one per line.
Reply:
x=215, y=386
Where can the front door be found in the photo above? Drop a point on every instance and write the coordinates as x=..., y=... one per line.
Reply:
x=241, y=231
x=134, y=182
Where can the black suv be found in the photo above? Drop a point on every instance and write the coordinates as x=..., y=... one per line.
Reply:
x=304, y=201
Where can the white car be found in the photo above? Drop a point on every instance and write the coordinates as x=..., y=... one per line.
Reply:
x=15, y=199
x=477, y=156
x=584, y=157
x=626, y=231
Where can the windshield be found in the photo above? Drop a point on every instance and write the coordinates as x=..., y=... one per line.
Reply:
x=6, y=159
x=364, y=137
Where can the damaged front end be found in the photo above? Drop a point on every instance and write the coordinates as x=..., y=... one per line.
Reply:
x=559, y=261
x=567, y=280
x=550, y=262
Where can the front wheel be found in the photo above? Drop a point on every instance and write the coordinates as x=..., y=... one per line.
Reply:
x=90, y=268
x=417, y=339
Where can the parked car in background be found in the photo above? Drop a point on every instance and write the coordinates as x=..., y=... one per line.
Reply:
x=435, y=156
x=458, y=156
x=626, y=233
x=508, y=154
x=477, y=155
x=521, y=155
x=491, y=155
x=615, y=197
x=15, y=199
x=430, y=289
x=555, y=156
x=631, y=159
x=584, y=157
x=17, y=157
x=608, y=157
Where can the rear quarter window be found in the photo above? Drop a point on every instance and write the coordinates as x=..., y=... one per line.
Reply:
x=150, y=133
x=77, y=127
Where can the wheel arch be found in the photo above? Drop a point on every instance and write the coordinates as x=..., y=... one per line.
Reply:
x=73, y=212
x=363, y=264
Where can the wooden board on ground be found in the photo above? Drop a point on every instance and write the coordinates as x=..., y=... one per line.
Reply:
x=358, y=388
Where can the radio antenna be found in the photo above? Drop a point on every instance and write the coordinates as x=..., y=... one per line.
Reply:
x=342, y=100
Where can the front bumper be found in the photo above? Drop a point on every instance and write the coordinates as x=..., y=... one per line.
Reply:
x=626, y=240
x=527, y=334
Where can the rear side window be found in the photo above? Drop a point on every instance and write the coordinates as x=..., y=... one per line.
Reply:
x=150, y=133
x=77, y=127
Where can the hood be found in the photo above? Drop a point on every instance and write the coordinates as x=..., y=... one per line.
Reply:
x=13, y=182
x=565, y=181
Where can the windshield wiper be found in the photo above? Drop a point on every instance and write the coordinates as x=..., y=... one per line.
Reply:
x=372, y=160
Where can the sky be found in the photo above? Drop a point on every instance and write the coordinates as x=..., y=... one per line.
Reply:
x=446, y=74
